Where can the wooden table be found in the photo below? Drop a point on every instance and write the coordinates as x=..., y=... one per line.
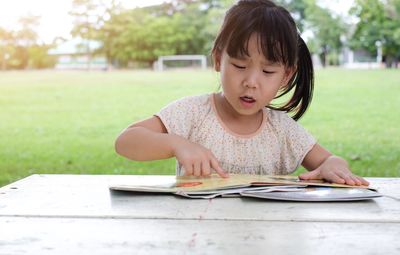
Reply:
x=78, y=214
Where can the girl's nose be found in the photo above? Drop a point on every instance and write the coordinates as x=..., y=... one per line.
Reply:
x=249, y=85
x=251, y=80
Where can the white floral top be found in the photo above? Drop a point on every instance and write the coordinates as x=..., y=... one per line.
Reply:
x=277, y=148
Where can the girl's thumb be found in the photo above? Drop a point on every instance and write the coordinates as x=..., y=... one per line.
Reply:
x=312, y=175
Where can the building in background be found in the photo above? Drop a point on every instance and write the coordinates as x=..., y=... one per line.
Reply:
x=361, y=59
x=72, y=55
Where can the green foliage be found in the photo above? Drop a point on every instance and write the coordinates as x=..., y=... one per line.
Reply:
x=378, y=21
x=144, y=34
x=298, y=10
x=18, y=58
x=369, y=28
x=189, y=27
x=141, y=35
x=87, y=17
x=38, y=57
x=27, y=35
x=327, y=30
x=20, y=50
x=63, y=122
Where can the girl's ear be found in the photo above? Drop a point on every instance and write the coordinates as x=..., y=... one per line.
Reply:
x=217, y=61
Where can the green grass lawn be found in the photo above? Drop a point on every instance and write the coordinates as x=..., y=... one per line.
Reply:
x=66, y=122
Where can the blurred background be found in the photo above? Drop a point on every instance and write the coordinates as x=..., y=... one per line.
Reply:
x=74, y=73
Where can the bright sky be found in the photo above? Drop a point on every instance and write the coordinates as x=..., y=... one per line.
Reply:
x=55, y=20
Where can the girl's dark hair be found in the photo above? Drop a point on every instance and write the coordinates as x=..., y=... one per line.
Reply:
x=279, y=41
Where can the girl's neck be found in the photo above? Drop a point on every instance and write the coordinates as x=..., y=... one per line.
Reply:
x=238, y=123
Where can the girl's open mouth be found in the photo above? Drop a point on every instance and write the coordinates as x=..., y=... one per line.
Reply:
x=247, y=101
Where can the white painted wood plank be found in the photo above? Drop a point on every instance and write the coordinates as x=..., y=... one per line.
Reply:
x=131, y=236
x=89, y=196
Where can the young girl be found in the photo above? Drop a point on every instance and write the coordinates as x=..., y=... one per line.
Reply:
x=260, y=56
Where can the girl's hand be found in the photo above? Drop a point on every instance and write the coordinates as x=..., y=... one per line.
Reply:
x=197, y=160
x=335, y=169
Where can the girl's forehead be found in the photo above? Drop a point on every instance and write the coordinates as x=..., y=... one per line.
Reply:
x=264, y=61
x=250, y=44
x=249, y=49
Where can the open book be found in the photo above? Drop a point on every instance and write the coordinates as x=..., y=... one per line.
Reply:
x=248, y=185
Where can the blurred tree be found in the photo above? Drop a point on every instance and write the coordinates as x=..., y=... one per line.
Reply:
x=27, y=35
x=142, y=37
x=327, y=30
x=6, y=49
x=88, y=19
x=298, y=10
x=190, y=36
x=110, y=36
x=20, y=49
x=213, y=20
x=113, y=25
x=190, y=26
x=177, y=27
x=38, y=57
x=379, y=23
x=22, y=40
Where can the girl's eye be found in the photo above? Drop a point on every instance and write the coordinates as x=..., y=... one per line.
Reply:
x=238, y=66
x=268, y=72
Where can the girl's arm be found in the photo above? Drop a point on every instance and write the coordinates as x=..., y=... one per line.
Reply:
x=145, y=140
x=149, y=140
x=323, y=165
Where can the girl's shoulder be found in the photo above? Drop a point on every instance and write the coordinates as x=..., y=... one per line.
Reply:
x=180, y=116
x=190, y=106
x=283, y=124
x=194, y=100
x=197, y=103
x=277, y=117
x=280, y=121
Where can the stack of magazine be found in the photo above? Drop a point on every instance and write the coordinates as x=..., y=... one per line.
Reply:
x=289, y=188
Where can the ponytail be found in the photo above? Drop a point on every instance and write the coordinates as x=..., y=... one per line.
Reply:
x=302, y=81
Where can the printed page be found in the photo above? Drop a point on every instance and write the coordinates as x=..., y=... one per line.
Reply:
x=172, y=184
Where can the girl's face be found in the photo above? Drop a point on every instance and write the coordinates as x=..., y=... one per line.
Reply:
x=249, y=83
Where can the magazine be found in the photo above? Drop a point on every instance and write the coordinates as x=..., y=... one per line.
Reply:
x=244, y=185
x=172, y=184
x=316, y=194
x=236, y=192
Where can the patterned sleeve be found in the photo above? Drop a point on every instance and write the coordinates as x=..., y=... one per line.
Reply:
x=296, y=142
x=178, y=116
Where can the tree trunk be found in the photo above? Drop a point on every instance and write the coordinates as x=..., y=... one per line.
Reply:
x=324, y=56
x=3, y=63
x=391, y=62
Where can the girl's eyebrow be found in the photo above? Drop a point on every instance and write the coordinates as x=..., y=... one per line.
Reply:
x=240, y=57
x=271, y=63
x=265, y=63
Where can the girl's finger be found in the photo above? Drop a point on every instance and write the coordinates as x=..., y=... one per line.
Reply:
x=188, y=169
x=356, y=180
x=333, y=177
x=197, y=169
x=205, y=168
x=215, y=165
x=346, y=177
x=363, y=181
